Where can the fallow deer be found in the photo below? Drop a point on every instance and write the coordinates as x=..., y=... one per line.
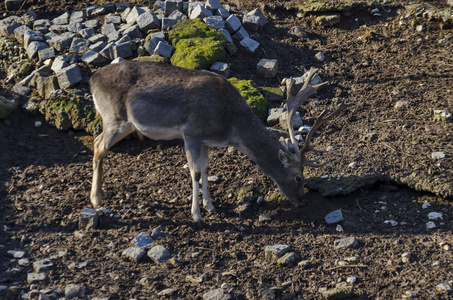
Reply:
x=165, y=102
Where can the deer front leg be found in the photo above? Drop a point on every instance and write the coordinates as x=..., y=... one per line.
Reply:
x=96, y=188
x=204, y=180
x=113, y=133
x=193, y=152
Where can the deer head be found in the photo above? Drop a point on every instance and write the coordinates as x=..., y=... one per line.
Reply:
x=292, y=104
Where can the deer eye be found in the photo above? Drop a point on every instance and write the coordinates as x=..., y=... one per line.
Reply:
x=299, y=178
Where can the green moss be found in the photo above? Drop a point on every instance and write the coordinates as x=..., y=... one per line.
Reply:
x=6, y=107
x=195, y=28
x=197, y=53
x=318, y=6
x=275, y=197
x=197, y=45
x=273, y=94
x=252, y=95
x=67, y=110
x=154, y=57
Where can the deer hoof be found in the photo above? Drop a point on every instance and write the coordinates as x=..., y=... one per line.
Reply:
x=210, y=208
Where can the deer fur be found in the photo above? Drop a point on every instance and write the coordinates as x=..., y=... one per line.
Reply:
x=165, y=102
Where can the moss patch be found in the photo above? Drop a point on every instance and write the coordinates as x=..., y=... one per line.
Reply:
x=197, y=45
x=71, y=109
x=252, y=95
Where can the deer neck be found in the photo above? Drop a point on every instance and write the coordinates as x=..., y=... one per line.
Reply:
x=257, y=144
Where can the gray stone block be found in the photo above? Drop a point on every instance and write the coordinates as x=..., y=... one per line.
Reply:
x=123, y=50
x=346, y=243
x=58, y=28
x=177, y=15
x=62, y=19
x=250, y=22
x=107, y=52
x=117, y=60
x=106, y=29
x=41, y=23
x=267, y=67
x=220, y=68
x=79, y=46
x=226, y=34
x=143, y=240
x=124, y=39
x=240, y=34
x=19, y=33
x=43, y=265
x=262, y=20
x=134, y=13
x=93, y=58
x=32, y=36
x=164, y=49
x=153, y=41
x=172, y=5
x=223, y=13
x=69, y=76
x=334, y=217
x=46, y=53
x=8, y=25
x=97, y=46
x=45, y=85
x=61, y=42
x=75, y=27
x=78, y=15
x=97, y=38
x=215, y=21
x=159, y=254
x=274, y=252
x=200, y=12
x=213, y=4
x=34, y=47
x=167, y=23
x=147, y=21
x=232, y=23
x=21, y=90
x=86, y=33
x=92, y=23
x=88, y=218
x=113, y=36
x=134, y=32
x=249, y=44
x=33, y=278
x=134, y=254
x=114, y=19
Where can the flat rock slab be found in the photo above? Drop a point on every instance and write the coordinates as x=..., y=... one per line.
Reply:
x=346, y=243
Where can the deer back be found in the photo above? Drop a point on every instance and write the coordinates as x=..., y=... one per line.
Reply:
x=156, y=97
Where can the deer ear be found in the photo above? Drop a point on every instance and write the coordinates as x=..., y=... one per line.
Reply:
x=285, y=158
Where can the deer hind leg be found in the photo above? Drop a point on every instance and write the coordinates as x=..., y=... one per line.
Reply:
x=102, y=143
x=194, y=158
x=204, y=159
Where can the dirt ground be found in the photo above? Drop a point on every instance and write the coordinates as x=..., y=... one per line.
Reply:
x=45, y=179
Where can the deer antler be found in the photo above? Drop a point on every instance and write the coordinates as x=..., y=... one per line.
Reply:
x=293, y=103
x=319, y=121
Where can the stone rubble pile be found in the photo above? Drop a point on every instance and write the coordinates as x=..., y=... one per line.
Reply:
x=110, y=33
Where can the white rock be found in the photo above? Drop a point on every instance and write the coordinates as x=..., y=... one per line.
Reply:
x=435, y=216
x=351, y=279
x=430, y=225
x=438, y=155
x=391, y=222
x=426, y=205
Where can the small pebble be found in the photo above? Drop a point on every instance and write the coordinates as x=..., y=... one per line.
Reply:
x=351, y=279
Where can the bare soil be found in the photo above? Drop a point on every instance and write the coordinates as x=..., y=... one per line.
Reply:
x=45, y=179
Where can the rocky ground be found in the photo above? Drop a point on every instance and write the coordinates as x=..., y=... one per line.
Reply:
x=384, y=150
